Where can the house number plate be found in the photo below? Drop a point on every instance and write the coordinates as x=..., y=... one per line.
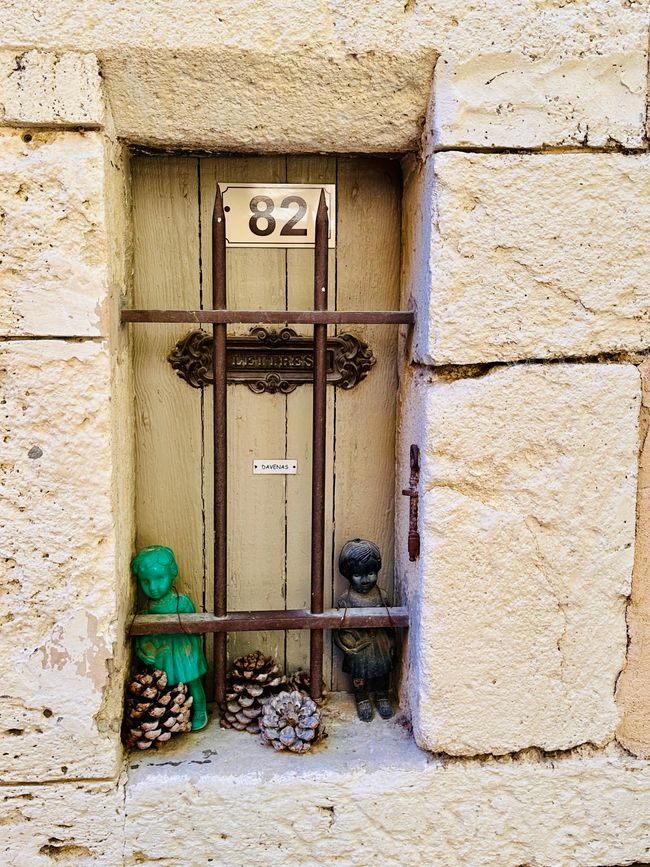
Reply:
x=275, y=467
x=275, y=215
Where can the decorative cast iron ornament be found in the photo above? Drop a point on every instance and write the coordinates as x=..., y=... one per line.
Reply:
x=270, y=360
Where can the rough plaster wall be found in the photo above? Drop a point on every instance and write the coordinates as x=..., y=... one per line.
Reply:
x=349, y=76
x=44, y=88
x=527, y=522
x=380, y=800
x=58, y=599
x=66, y=489
x=70, y=824
x=55, y=250
x=527, y=253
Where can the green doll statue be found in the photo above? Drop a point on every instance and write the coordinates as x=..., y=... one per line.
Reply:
x=179, y=655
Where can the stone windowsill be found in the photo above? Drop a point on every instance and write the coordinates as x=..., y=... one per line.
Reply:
x=350, y=745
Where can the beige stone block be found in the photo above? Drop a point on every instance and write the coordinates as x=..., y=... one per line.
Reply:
x=243, y=99
x=633, y=693
x=524, y=75
x=58, y=605
x=50, y=89
x=527, y=521
x=369, y=796
x=535, y=256
x=272, y=76
x=54, y=246
x=357, y=76
x=73, y=824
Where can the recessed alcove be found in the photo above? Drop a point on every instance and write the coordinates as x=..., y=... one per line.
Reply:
x=269, y=516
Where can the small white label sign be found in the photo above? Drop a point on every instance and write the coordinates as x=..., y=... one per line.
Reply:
x=276, y=215
x=272, y=466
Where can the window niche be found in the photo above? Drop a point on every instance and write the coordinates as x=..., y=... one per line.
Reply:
x=268, y=515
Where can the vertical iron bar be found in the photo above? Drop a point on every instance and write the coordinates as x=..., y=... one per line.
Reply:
x=219, y=410
x=318, y=448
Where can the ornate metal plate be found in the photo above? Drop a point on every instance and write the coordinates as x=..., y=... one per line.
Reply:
x=270, y=360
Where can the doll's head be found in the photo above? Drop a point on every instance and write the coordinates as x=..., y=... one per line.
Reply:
x=155, y=568
x=360, y=562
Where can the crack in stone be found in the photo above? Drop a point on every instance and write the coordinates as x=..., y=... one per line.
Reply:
x=477, y=370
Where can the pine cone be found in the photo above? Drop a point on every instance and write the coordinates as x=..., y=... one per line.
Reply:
x=153, y=712
x=300, y=681
x=250, y=682
x=291, y=721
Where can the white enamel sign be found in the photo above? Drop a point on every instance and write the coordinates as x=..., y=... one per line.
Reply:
x=279, y=466
x=275, y=215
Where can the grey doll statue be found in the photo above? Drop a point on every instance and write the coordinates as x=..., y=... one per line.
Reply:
x=369, y=654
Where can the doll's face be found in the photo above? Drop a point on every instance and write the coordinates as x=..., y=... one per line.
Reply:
x=156, y=580
x=363, y=582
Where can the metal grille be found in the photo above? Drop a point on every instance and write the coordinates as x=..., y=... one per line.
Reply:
x=315, y=619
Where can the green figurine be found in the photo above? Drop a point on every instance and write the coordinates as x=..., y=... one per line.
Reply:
x=179, y=655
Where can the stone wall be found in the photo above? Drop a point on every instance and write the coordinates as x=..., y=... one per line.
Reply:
x=66, y=513
x=525, y=383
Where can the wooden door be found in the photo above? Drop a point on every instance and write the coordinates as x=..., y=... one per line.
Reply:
x=269, y=516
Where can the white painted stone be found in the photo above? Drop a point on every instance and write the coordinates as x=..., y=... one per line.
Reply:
x=54, y=245
x=369, y=796
x=527, y=520
x=44, y=87
x=73, y=824
x=525, y=74
x=534, y=256
x=58, y=592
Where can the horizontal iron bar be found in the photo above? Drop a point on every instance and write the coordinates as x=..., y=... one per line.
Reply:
x=316, y=317
x=251, y=621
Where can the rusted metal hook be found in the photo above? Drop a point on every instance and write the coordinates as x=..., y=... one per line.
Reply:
x=413, y=493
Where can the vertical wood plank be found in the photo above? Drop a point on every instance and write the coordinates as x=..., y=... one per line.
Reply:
x=168, y=412
x=256, y=425
x=368, y=276
x=300, y=295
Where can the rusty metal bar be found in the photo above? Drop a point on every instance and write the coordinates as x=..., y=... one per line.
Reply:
x=319, y=424
x=413, y=493
x=220, y=417
x=252, y=621
x=273, y=317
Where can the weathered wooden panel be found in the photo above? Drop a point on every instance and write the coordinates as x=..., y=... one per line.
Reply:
x=367, y=276
x=168, y=414
x=269, y=516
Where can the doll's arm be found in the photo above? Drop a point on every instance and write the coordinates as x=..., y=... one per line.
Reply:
x=351, y=640
x=149, y=650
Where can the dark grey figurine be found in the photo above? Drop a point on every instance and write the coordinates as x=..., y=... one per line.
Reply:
x=369, y=654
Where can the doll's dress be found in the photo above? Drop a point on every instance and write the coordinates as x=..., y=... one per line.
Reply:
x=375, y=660
x=179, y=655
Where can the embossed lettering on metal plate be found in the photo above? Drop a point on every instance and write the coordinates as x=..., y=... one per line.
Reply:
x=273, y=466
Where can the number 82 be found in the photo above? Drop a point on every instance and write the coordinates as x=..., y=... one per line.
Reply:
x=266, y=214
